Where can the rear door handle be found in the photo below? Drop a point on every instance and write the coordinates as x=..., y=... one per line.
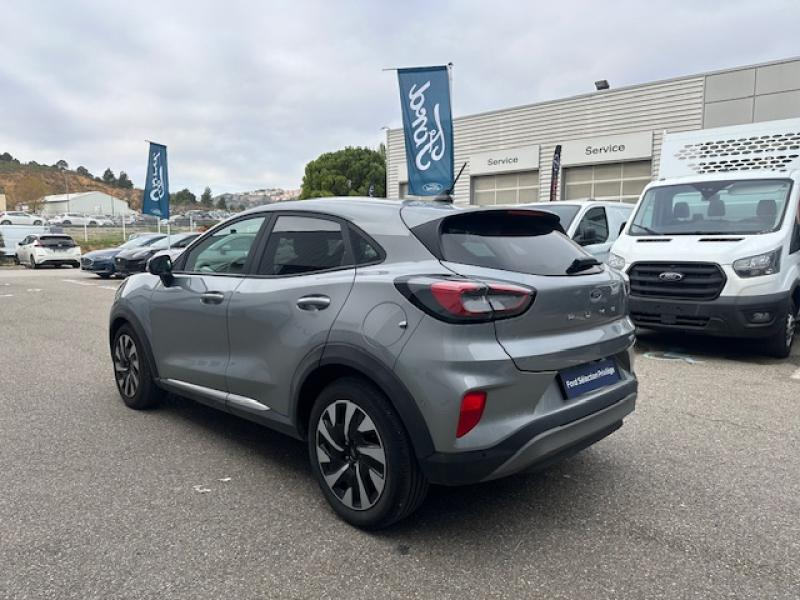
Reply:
x=212, y=297
x=314, y=302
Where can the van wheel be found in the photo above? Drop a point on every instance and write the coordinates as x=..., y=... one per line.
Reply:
x=33, y=263
x=780, y=345
x=132, y=371
x=362, y=457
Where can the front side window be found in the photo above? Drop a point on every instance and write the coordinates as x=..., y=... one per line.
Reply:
x=299, y=245
x=593, y=228
x=226, y=250
x=713, y=207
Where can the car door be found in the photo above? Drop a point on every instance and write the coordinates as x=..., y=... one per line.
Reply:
x=593, y=233
x=189, y=327
x=284, y=312
x=23, y=250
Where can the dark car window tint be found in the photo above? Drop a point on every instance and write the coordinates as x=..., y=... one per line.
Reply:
x=303, y=245
x=226, y=250
x=509, y=240
x=63, y=241
x=593, y=228
x=365, y=252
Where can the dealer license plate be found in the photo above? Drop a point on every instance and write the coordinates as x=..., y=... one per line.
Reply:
x=583, y=379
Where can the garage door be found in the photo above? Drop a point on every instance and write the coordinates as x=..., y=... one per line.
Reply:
x=615, y=181
x=505, y=188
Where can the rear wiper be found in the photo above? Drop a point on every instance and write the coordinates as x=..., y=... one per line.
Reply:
x=646, y=229
x=581, y=264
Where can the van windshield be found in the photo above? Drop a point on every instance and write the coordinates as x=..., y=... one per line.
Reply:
x=713, y=207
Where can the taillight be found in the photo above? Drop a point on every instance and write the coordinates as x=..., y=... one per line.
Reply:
x=37, y=244
x=466, y=300
x=472, y=405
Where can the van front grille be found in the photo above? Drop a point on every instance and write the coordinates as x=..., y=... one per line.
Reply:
x=677, y=281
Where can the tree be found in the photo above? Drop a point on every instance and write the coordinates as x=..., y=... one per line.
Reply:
x=206, y=199
x=84, y=171
x=183, y=197
x=221, y=204
x=348, y=172
x=61, y=164
x=6, y=157
x=124, y=181
x=109, y=177
x=29, y=191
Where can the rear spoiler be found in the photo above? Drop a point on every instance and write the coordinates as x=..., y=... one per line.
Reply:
x=508, y=222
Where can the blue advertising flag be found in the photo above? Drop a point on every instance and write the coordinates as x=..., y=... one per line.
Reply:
x=428, y=129
x=156, y=186
x=556, y=169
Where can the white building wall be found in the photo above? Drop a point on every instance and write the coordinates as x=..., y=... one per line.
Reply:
x=740, y=95
x=89, y=203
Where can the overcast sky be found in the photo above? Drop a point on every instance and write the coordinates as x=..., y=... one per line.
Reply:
x=245, y=93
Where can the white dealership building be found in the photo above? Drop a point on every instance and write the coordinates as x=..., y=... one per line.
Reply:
x=84, y=203
x=611, y=139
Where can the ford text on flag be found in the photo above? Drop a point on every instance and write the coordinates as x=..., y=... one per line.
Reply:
x=156, y=187
x=428, y=129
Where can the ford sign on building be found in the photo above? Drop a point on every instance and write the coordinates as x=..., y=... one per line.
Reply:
x=610, y=139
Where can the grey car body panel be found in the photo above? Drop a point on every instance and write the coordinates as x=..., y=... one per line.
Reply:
x=257, y=348
x=270, y=334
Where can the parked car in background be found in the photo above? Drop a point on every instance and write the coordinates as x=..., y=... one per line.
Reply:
x=101, y=262
x=18, y=217
x=175, y=251
x=48, y=249
x=594, y=224
x=407, y=343
x=134, y=260
x=100, y=221
x=70, y=219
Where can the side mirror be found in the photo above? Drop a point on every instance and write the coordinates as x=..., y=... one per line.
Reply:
x=162, y=267
x=621, y=227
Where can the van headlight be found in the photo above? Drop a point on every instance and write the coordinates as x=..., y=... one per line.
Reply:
x=615, y=261
x=768, y=263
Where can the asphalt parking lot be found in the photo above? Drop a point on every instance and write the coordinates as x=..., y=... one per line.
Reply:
x=697, y=496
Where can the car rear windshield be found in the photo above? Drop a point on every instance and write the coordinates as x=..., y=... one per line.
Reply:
x=57, y=240
x=512, y=240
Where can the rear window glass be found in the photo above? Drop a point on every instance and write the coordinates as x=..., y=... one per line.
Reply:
x=511, y=241
x=61, y=240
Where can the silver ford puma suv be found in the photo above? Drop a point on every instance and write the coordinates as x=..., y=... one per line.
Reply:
x=407, y=343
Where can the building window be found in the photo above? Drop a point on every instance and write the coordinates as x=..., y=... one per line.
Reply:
x=505, y=188
x=613, y=181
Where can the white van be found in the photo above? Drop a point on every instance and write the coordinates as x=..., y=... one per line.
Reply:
x=713, y=246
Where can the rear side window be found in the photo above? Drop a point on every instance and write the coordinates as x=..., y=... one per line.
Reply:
x=299, y=245
x=366, y=252
x=61, y=241
x=520, y=241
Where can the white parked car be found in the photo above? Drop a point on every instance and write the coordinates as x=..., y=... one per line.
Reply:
x=594, y=224
x=18, y=217
x=48, y=249
x=70, y=219
x=100, y=221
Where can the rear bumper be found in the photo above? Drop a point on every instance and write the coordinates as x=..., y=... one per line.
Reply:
x=59, y=261
x=727, y=316
x=542, y=442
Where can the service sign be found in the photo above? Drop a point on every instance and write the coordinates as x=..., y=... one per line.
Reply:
x=523, y=158
x=608, y=148
x=428, y=129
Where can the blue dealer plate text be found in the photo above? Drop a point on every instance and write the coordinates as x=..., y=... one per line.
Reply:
x=589, y=377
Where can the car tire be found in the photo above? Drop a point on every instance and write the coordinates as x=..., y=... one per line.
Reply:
x=780, y=344
x=347, y=461
x=132, y=373
x=33, y=264
x=104, y=275
x=66, y=222
x=5, y=222
x=37, y=222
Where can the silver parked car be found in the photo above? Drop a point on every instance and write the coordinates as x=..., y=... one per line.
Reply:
x=408, y=343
